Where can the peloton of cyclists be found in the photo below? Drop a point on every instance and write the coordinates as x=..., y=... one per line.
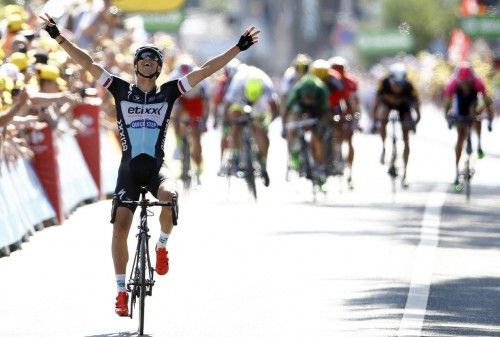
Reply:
x=396, y=92
x=252, y=86
x=464, y=88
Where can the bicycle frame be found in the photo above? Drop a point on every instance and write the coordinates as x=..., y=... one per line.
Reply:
x=141, y=280
x=393, y=170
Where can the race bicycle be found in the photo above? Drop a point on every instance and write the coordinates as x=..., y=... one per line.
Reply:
x=393, y=169
x=306, y=165
x=141, y=280
x=466, y=172
x=246, y=164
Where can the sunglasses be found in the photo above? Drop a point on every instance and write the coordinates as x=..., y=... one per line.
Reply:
x=148, y=55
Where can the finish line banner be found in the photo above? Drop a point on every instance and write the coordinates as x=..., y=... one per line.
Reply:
x=148, y=6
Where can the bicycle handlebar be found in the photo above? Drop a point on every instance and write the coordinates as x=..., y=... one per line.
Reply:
x=147, y=203
x=303, y=123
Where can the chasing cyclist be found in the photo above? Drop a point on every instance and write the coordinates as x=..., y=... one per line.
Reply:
x=143, y=112
x=465, y=87
x=345, y=106
x=252, y=86
x=308, y=98
x=396, y=92
x=190, y=111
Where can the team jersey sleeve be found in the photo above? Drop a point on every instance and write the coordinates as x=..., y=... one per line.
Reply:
x=114, y=84
x=175, y=88
x=450, y=89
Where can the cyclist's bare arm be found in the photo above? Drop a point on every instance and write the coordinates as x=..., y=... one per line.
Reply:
x=42, y=98
x=19, y=103
x=219, y=61
x=77, y=54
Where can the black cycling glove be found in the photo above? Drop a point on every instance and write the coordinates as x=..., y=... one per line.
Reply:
x=245, y=42
x=52, y=30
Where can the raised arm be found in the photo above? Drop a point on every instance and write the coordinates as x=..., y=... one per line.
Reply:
x=77, y=54
x=249, y=37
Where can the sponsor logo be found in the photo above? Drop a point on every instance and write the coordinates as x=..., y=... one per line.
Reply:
x=37, y=137
x=123, y=139
x=151, y=110
x=146, y=123
x=162, y=145
x=121, y=194
x=86, y=120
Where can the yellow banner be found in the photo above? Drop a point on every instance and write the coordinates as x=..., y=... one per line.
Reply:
x=148, y=6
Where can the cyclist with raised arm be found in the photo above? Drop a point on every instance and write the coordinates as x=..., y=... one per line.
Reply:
x=465, y=87
x=252, y=86
x=396, y=92
x=143, y=112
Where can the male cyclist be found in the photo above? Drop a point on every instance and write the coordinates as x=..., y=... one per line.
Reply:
x=465, y=87
x=345, y=105
x=299, y=68
x=252, y=86
x=218, y=106
x=307, y=99
x=396, y=92
x=193, y=110
x=143, y=112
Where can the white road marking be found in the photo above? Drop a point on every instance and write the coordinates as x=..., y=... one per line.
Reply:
x=416, y=303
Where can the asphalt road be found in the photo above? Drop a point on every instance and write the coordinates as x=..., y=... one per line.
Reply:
x=367, y=262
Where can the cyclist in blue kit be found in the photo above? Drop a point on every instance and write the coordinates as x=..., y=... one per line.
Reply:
x=143, y=113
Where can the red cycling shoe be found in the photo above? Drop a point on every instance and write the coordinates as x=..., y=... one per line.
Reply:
x=121, y=305
x=161, y=261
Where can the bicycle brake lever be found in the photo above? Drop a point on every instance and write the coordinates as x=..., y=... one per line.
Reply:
x=175, y=211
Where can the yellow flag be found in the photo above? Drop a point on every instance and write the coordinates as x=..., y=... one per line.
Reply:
x=148, y=6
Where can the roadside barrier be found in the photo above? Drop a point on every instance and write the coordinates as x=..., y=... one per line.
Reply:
x=23, y=202
x=66, y=171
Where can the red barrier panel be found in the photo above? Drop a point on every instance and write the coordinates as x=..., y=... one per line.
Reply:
x=89, y=139
x=45, y=165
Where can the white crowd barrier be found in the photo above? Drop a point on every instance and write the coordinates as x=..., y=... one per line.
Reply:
x=23, y=202
x=110, y=160
x=77, y=185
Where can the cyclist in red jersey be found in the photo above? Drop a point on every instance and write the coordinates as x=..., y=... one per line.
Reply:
x=464, y=88
x=345, y=103
x=220, y=108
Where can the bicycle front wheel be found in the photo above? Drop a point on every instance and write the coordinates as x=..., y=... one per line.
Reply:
x=142, y=284
x=249, y=170
x=467, y=177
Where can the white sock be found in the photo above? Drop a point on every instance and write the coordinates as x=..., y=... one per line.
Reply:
x=162, y=241
x=120, y=282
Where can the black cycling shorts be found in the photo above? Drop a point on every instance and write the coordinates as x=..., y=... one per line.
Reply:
x=128, y=189
x=403, y=109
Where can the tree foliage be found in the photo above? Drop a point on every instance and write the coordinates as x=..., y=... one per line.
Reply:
x=427, y=20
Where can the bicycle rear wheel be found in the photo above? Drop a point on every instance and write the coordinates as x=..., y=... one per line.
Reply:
x=142, y=284
x=186, y=164
x=249, y=170
x=467, y=176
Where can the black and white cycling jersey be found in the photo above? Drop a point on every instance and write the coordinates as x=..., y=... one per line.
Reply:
x=143, y=117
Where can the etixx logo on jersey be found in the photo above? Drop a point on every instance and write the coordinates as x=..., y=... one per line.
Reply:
x=146, y=113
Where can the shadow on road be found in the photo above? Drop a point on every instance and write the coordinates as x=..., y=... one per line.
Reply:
x=461, y=307
x=463, y=225
x=119, y=334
